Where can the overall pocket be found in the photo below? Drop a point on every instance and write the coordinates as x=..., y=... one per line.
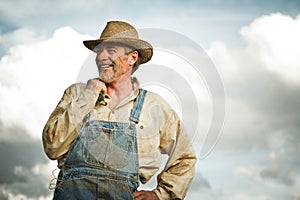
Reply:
x=76, y=186
x=108, y=147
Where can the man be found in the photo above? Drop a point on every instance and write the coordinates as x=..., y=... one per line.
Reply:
x=108, y=134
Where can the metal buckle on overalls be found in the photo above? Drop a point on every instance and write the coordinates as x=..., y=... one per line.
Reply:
x=132, y=125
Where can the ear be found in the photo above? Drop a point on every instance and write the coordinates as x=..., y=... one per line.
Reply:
x=133, y=56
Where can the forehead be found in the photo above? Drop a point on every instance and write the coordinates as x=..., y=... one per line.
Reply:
x=105, y=45
x=116, y=45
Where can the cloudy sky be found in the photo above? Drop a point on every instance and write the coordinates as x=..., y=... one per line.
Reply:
x=254, y=45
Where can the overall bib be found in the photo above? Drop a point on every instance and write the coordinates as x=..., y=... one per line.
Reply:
x=103, y=160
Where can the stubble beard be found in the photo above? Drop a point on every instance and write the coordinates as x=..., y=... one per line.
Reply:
x=107, y=75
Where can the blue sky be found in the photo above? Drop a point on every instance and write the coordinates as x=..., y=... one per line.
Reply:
x=203, y=21
x=253, y=44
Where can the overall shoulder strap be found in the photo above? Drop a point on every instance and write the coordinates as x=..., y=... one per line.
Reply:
x=137, y=106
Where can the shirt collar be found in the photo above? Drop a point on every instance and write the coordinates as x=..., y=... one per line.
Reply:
x=134, y=93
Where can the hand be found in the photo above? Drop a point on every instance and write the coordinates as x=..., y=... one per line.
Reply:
x=145, y=195
x=96, y=85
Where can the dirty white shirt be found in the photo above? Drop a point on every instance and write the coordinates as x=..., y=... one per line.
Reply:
x=159, y=131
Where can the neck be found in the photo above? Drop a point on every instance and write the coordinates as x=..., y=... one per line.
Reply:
x=119, y=90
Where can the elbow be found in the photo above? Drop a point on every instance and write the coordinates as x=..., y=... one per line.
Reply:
x=52, y=155
x=51, y=146
x=51, y=152
x=55, y=151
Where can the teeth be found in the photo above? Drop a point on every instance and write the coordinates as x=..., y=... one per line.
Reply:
x=105, y=66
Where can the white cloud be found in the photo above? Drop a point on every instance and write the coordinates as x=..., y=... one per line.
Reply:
x=276, y=39
x=19, y=36
x=32, y=185
x=279, y=167
x=272, y=41
x=259, y=102
x=251, y=172
x=262, y=80
x=33, y=77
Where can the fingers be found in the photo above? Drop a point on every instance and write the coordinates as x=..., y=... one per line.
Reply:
x=96, y=85
x=145, y=195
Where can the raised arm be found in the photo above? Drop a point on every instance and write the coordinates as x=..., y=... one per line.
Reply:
x=65, y=121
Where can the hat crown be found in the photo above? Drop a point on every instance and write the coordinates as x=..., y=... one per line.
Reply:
x=118, y=29
x=123, y=33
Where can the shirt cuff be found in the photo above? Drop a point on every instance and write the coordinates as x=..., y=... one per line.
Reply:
x=161, y=193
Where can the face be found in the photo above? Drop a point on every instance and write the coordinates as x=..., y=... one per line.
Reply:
x=113, y=62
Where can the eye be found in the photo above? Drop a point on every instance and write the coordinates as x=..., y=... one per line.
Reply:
x=111, y=51
x=98, y=50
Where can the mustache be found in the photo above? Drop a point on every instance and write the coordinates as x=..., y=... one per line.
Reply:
x=105, y=64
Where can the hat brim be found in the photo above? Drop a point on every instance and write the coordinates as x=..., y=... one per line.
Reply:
x=144, y=48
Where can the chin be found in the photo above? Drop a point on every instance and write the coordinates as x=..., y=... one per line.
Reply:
x=106, y=79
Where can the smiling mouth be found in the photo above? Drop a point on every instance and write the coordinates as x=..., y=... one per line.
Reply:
x=106, y=66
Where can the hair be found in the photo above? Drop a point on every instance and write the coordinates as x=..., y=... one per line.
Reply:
x=128, y=50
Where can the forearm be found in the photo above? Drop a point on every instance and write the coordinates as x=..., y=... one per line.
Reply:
x=65, y=121
x=175, y=180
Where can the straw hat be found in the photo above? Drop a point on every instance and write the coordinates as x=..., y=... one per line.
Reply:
x=124, y=33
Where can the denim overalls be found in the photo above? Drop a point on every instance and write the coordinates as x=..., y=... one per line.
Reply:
x=103, y=161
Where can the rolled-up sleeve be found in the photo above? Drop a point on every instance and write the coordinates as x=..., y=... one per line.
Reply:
x=65, y=121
